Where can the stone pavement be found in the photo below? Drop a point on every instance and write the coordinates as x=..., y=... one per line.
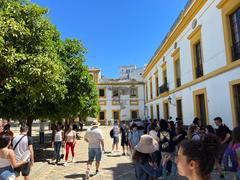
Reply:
x=113, y=166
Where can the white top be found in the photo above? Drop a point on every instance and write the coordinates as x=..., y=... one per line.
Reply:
x=42, y=127
x=94, y=137
x=58, y=136
x=4, y=162
x=154, y=133
x=22, y=146
x=70, y=136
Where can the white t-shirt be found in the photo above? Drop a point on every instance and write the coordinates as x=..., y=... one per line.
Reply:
x=22, y=146
x=58, y=136
x=94, y=137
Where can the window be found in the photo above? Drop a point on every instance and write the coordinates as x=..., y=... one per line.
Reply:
x=235, y=31
x=165, y=110
x=134, y=92
x=165, y=76
x=177, y=73
x=164, y=87
x=102, y=115
x=115, y=92
x=198, y=60
x=179, y=108
x=151, y=93
x=134, y=114
x=147, y=91
x=157, y=86
x=158, y=112
x=196, y=51
x=235, y=101
x=116, y=114
x=101, y=92
x=177, y=67
x=156, y=83
x=151, y=109
x=201, y=105
x=231, y=27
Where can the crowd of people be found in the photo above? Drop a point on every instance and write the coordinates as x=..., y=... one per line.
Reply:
x=162, y=149
x=166, y=148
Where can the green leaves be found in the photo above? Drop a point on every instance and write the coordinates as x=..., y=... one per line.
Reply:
x=41, y=75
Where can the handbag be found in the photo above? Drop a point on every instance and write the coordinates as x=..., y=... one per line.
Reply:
x=62, y=154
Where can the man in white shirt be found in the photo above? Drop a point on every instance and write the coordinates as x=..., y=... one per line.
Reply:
x=95, y=140
x=21, y=144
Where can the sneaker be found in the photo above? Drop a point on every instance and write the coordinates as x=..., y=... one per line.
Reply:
x=87, y=175
x=97, y=172
x=65, y=164
x=112, y=152
x=73, y=160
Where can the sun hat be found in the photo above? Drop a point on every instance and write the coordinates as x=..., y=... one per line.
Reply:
x=147, y=145
x=95, y=123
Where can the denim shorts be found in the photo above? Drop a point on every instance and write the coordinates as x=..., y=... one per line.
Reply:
x=6, y=173
x=94, y=153
x=115, y=140
x=25, y=169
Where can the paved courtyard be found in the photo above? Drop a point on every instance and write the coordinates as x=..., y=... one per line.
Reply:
x=113, y=166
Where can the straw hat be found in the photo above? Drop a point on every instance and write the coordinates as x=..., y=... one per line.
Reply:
x=95, y=123
x=147, y=145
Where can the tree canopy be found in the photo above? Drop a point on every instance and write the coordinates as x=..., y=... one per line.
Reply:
x=41, y=76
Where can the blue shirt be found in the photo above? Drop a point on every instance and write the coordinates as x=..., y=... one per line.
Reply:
x=145, y=171
x=134, y=137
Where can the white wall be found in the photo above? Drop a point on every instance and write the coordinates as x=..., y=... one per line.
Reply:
x=214, y=57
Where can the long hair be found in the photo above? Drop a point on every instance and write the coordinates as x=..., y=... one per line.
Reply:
x=141, y=158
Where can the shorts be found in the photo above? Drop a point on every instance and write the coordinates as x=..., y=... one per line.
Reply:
x=7, y=173
x=124, y=142
x=94, y=153
x=115, y=140
x=25, y=169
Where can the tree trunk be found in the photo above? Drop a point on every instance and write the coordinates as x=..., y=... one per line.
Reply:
x=29, y=124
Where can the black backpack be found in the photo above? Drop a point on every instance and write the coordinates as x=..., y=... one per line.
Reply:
x=165, y=139
x=111, y=133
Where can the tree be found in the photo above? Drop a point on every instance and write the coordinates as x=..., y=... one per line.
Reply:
x=81, y=98
x=41, y=76
x=31, y=73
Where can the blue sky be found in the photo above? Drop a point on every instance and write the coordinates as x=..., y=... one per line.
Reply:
x=115, y=32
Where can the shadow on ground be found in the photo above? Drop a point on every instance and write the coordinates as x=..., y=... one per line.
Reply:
x=122, y=171
x=44, y=152
x=74, y=176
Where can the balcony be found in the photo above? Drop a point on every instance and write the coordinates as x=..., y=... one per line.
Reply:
x=163, y=88
x=236, y=51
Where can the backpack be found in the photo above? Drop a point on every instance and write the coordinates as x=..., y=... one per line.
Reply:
x=111, y=133
x=230, y=160
x=165, y=141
